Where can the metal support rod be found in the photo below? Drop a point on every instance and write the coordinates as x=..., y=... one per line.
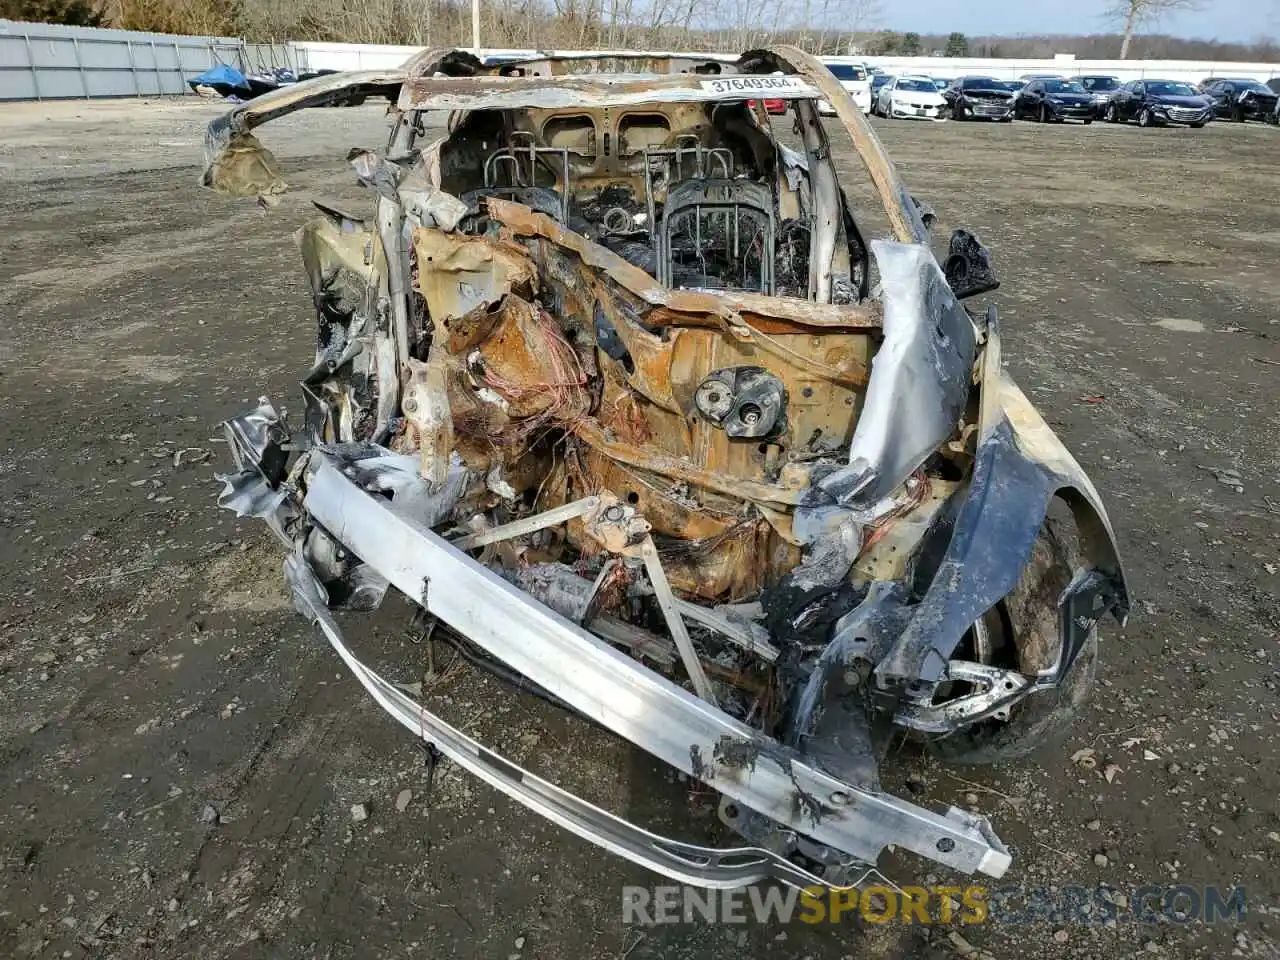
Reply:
x=517, y=528
x=155, y=65
x=591, y=607
x=133, y=67
x=675, y=623
x=730, y=630
x=84, y=80
x=31, y=59
x=475, y=27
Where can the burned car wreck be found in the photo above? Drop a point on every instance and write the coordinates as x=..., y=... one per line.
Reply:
x=612, y=384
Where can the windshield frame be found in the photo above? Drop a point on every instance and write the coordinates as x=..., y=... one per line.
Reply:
x=918, y=85
x=1094, y=84
x=851, y=69
x=1191, y=91
x=1058, y=85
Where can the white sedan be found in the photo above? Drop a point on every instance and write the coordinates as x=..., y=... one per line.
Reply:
x=908, y=97
x=855, y=78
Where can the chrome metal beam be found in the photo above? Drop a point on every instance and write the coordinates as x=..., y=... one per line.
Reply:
x=631, y=700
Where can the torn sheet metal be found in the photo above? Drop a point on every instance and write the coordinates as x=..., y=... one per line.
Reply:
x=457, y=274
x=243, y=167
x=920, y=380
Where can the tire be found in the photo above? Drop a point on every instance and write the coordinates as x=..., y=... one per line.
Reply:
x=1044, y=113
x=1144, y=118
x=1195, y=126
x=1111, y=114
x=1030, y=615
x=1088, y=121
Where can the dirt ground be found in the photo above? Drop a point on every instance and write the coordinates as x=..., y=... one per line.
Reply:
x=181, y=754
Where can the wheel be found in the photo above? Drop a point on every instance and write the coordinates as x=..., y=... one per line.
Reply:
x=1111, y=114
x=1144, y=118
x=1196, y=126
x=1023, y=633
x=1088, y=121
x=1044, y=113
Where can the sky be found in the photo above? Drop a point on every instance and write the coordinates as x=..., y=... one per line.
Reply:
x=1229, y=20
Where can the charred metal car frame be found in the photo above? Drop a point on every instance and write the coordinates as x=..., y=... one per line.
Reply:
x=610, y=385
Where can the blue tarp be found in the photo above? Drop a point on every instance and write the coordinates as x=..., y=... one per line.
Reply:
x=221, y=75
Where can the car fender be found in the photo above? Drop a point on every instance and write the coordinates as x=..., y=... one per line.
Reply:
x=1020, y=468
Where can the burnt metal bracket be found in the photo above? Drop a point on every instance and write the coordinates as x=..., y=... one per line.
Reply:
x=968, y=267
x=1089, y=597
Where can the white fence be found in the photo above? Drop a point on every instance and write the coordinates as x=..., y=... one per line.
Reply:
x=44, y=61
x=354, y=56
x=357, y=56
x=41, y=61
x=1190, y=71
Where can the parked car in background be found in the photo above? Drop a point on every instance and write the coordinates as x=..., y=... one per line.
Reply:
x=1055, y=100
x=1158, y=103
x=1028, y=77
x=1241, y=99
x=943, y=82
x=1013, y=86
x=910, y=98
x=855, y=78
x=1101, y=87
x=979, y=98
x=878, y=80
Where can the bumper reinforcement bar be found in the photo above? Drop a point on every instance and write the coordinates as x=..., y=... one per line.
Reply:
x=621, y=695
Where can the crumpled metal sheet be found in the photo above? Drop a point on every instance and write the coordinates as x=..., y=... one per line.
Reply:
x=427, y=503
x=247, y=494
x=920, y=378
x=458, y=273
x=229, y=133
x=243, y=167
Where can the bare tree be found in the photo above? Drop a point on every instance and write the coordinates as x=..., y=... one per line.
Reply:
x=1140, y=13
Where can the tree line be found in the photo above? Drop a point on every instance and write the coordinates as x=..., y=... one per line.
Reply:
x=827, y=27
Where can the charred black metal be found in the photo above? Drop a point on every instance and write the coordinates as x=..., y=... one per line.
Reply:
x=997, y=524
x=968, y=267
